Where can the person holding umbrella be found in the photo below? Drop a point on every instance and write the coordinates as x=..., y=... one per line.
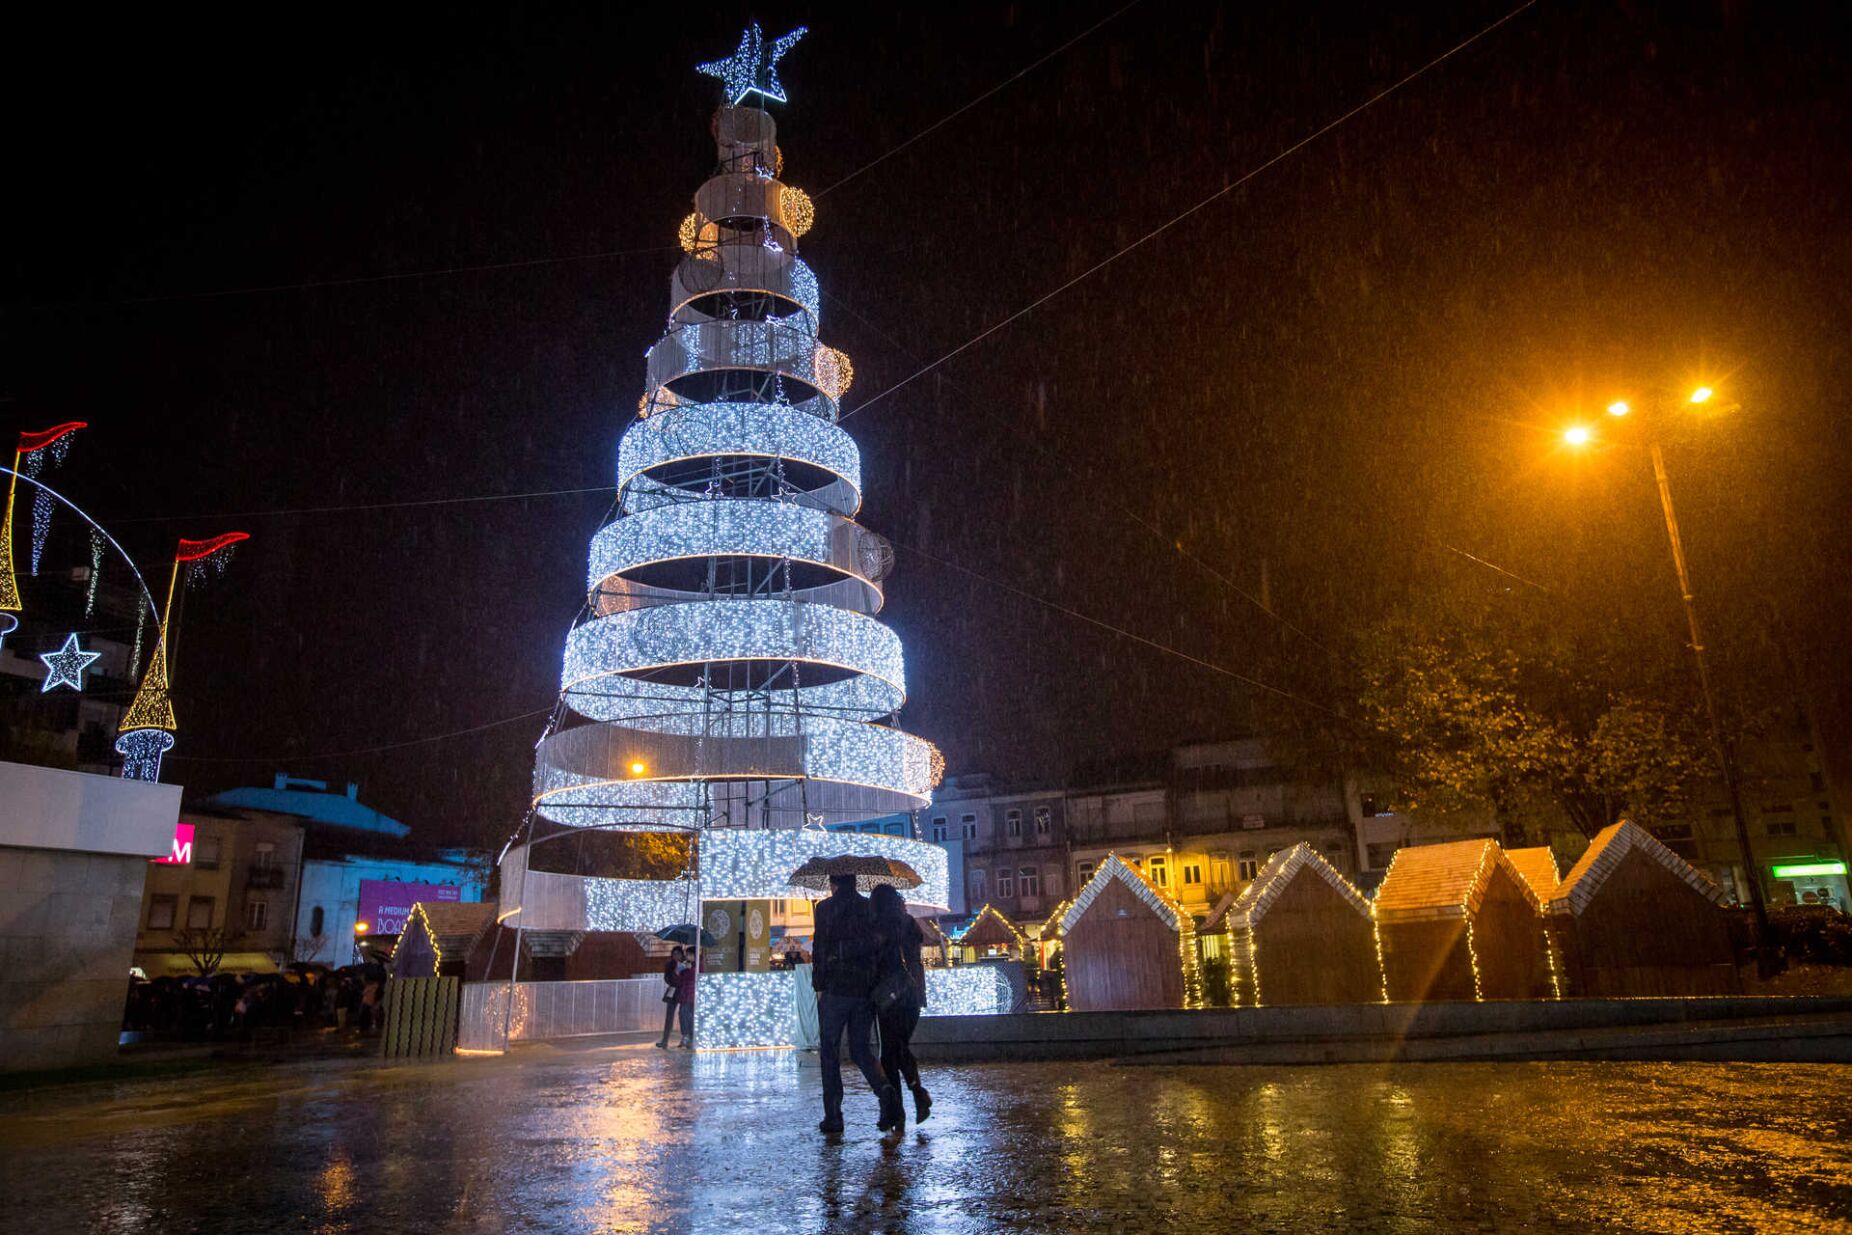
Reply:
x=844, y=954
x=671, y=981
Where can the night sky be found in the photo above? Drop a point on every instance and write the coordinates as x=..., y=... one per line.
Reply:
x=1336, y=377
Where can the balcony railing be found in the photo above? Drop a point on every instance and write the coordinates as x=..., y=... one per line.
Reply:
x=264, y=877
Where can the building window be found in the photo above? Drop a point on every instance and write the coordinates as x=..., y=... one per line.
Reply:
x=967, y=826
x=1030, y=880
x=1159, y=871
x=938, y=828
x=263, y=856
x=1083, y=874
x=1334, y=854
x=161, y=912
x=1380, y=854
x=977, y=886
x=199, y=913
x=1817, y=781
x=1006, y=884
x=316, y=921
x=206, y=853
x=1781, y=826
x=1248, y=868
x=1218, y=868
x=1012, y=823
x=1192, y=873
x=1044, y=821
x=1054, y=881
x=1366, y=806
x=256, y=915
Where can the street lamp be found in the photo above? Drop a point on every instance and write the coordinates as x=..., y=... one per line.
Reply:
x=1724, y=748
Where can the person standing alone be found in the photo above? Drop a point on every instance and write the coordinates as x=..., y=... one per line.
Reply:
x=844, y=955
x=671, y=984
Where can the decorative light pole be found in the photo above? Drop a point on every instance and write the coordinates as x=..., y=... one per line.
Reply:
x=1722, y=744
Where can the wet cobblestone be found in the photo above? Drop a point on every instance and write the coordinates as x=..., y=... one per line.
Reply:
x=631, y=1140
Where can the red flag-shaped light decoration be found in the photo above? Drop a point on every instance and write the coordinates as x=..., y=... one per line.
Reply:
x=147, y=729
x=33, y=441
x=196, y=550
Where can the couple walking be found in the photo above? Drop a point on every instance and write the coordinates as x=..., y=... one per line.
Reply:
x=866, y=969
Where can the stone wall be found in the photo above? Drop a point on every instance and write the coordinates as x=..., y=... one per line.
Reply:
x=74, y=851
x=67, y=931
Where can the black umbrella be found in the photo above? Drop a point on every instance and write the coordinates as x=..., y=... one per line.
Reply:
x=685, y=935
x=868, y=869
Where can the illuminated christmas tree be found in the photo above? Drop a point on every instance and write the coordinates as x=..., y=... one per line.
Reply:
x=729, y=678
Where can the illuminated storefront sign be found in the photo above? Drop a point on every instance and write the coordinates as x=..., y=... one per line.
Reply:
x=182, y=852
x=386, y=903
x=1804, y=870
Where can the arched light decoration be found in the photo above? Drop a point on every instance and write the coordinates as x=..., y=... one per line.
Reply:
x=729, y=678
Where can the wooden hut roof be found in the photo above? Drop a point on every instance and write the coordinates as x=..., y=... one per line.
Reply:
x=1115, y=867
x=1604, y=855
x=1217, y=921
x=1538, y=867
x=452, y=926
x=1442, y=881
x=975, y=934
x=1279, y=872
x=1051, y=925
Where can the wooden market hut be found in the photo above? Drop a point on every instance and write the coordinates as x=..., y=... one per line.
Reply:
x=1301, y=933
x=1457, y=921
x=1538, y=867
x=991, y=934
x=438, y=936
x=1632, y=918
x=1127, y=945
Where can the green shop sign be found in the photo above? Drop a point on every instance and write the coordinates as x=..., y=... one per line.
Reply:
x=1805, y=869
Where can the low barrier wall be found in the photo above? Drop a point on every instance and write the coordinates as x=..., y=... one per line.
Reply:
x=1711, y=1028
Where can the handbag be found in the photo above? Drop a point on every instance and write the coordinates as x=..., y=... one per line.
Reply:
x=891, y=989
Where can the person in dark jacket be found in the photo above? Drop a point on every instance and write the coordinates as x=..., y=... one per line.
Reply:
x=671, y=975
x=844, y=951
x=685, y=980
x=901, y=941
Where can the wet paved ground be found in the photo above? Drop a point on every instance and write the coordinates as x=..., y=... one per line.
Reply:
x=631, y=1140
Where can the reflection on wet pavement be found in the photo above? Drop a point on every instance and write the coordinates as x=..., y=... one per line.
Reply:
x=630, y=1140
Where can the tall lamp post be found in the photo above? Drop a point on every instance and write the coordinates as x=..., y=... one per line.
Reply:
x=1721, y=742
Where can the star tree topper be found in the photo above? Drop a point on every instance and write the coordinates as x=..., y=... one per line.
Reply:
x=751, y=70
x=65, y=667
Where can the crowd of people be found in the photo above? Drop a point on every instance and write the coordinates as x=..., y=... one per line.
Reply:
x=224, y=1006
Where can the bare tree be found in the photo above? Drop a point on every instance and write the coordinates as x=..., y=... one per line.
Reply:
x=206, y=946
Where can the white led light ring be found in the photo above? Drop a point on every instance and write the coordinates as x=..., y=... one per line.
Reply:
x=718, y=430
x=854, y=771
x=733, y=528
x=742, y=195
x=758, y=346
x=663, y=707
x=705, y=631
x=624, y=595
x=744, y=266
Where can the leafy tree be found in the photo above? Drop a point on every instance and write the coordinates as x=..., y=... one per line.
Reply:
x=1527, y=714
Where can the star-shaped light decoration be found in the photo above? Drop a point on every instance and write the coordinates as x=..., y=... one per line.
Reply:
x=65, y=667
x=751, y=69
